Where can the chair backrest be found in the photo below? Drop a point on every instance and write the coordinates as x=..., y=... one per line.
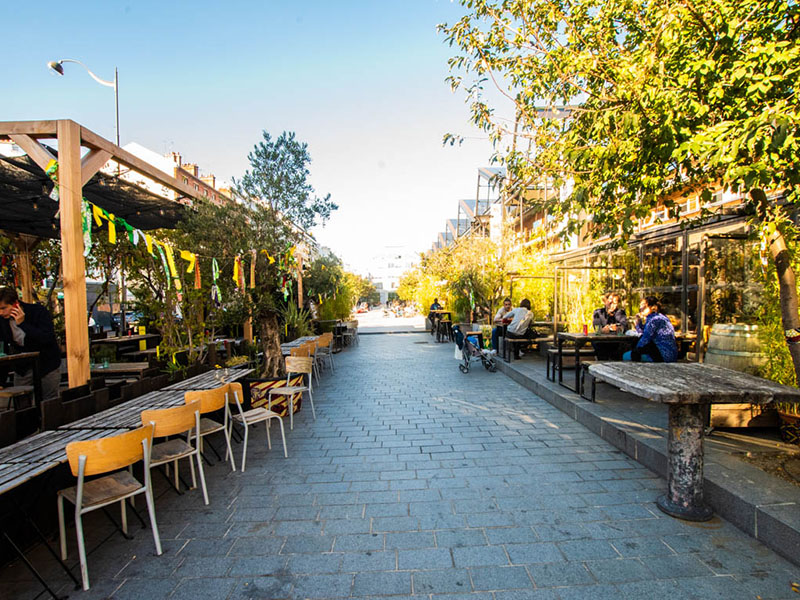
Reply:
x=311, y=345
x=298, y=364
x=299, y=350
x=235, y=393
x=324, y=340
x=210, y=400
x=111, y=453
x=169, y=421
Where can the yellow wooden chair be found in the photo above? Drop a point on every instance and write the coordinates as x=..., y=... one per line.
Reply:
x=173, y=421
x=245, y=418
x=295, y=366
x=96, y=457
x=213, y=401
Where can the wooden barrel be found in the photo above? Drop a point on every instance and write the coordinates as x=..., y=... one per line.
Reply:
x=735, y=346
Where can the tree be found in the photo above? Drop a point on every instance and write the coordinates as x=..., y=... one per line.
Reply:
x=667, y=100
x=278, y=177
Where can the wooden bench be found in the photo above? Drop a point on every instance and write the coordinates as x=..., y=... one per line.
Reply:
x=552, y=360
x=509, y=343
x=687, y=389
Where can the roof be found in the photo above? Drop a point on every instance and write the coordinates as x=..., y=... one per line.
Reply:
x=26, y=207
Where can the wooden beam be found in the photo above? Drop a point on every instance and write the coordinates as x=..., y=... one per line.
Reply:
x=72, y=261
x=38, y=153
x=34, y=128
x=92, y=163
x=92, y=140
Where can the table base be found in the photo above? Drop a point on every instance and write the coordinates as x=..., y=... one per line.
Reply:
x=687, y=513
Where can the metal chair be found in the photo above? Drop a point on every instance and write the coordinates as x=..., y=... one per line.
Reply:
x=212, y=401
x=245, y=418
x=295, y=365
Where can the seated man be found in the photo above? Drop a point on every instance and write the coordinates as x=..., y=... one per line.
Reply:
x=432, y=316
x=519, y=321
x=498, y=322
x=657, y=342
x=29, y=328
x=609, y=319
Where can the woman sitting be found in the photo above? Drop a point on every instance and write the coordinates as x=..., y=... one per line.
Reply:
x=657, y=342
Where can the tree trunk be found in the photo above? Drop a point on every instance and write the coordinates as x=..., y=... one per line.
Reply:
x=271, y=346
x=787, y=283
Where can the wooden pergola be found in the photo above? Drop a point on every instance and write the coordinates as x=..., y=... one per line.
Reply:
x=80, y=155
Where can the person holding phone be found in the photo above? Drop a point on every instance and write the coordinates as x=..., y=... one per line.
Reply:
x=29, y=328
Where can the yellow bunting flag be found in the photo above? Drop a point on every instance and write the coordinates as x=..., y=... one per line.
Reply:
x=172, y=270
x=148, y=241
x=112, y=230
x=236, y=270
x=97, y=213
x=253, y=270
x=190, y=257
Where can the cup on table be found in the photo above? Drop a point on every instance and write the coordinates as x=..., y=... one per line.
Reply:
x=2, y=348
x=105, y=363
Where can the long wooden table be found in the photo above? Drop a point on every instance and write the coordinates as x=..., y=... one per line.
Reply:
x=687, y=388
x=287, y=347
x=580, y=339
x=135, y=369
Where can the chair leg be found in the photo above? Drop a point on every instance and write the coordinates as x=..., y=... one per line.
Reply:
x=283, y=437
x=244, y=451
x=62, y=537
x=151, y=510
x=123, y=516
x=202, y=475
x=81, y=548
x=290, y=399
x=269, y=441
x=311, y=398
x=230, y=450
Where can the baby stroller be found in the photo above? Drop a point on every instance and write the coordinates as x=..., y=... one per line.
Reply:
x=470, y=352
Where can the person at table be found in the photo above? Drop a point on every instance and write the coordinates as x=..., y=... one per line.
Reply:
x=657, y=342
x=432, y=315
x=501, y=314
x=29, y=328
x=611, y=316
x=519, y=322
x=609, y=319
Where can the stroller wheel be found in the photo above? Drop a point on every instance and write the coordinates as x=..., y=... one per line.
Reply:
x=463, y=369
x=492, y=369
x=488, y=366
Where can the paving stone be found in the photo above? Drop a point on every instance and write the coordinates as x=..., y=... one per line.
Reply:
x=424, y=559
x=618, y=570
x=368, y=541
x=445, y=581
x=200, y=588
x=460, y=538
x=541, y=552
x=587, y=549
x=368, y=561
x=382, y=583
x=476, y=556
x=499, y=578
x=560, y=574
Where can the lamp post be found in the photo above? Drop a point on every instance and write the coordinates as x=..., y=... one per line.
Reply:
x=57, y=67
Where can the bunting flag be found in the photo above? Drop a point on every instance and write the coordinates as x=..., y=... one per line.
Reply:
x=148, y=240
x=191, y=258
x=52, y=173
x=236, y=266
x=197, y=284
x=166, y=266
x=86, y=224
x=216, y=296
x=172, y=270
x=253, y=269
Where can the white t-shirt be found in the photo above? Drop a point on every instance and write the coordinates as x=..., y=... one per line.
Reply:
x=521, y=318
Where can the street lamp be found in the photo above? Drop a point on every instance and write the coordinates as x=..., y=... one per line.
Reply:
x=57, y=67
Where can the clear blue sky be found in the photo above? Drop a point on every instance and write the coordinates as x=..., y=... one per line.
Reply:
x=362, y=81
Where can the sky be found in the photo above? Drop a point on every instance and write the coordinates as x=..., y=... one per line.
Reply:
x=361, y=81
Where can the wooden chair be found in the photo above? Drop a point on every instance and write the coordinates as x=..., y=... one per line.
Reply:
x=174, y=421
x=325, y=349
x=301, y=350
x=312, y=353
x=245, y=418
x=107, y=455
x=296, y=366
x=213, y=401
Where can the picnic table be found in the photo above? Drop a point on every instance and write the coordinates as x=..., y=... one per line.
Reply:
x=580, y=339
x=123, y=341
x=210, y=379
x=135, y=369
x=687, y=388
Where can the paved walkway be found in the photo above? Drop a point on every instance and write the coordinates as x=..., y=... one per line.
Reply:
x=417, y=482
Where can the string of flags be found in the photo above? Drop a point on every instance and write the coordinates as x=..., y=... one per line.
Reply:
x=166, y=253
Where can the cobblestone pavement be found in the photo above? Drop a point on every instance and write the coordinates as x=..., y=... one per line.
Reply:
x=417, y=481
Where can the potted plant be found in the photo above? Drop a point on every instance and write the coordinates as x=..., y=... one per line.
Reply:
x=789, y=413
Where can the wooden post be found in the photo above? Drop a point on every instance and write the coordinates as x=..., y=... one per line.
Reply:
x=25, y=243
x=72, y=261
x=300, y=281
x=248, y=330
